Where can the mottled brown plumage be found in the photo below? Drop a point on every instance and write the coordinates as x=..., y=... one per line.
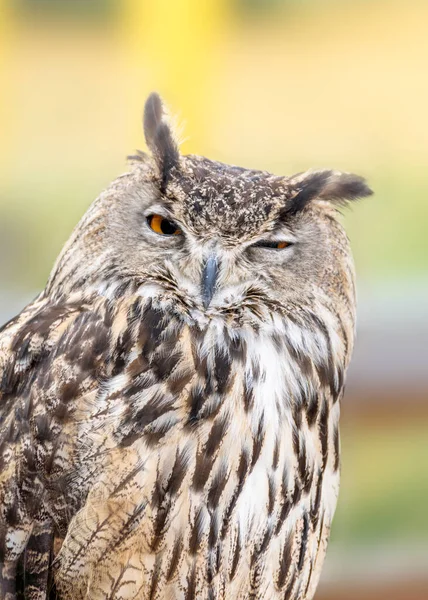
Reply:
x=169, y=403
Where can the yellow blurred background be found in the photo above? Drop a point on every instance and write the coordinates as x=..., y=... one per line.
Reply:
x=282, y=85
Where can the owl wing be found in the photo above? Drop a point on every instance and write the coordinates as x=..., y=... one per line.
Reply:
x=51, y=356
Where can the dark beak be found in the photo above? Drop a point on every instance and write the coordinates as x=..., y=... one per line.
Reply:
x=209, y=280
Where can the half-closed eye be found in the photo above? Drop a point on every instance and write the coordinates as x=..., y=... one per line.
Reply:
x=272, y=245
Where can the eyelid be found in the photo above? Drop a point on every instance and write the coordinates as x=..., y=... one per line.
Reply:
x=160, y=210
x=272, y=244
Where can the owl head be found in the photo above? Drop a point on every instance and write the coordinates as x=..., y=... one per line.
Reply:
x=211, y=239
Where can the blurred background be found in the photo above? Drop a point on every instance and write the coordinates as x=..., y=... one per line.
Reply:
x=281, y=85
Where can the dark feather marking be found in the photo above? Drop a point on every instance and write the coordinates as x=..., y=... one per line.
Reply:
x=151, y=329
x=217, y=486
x=191, y=584
x=286, y=507
x=11, y=514
x=267, y=536
x=156, y=430
x=178, y=473
x=305, y=472
x=165, y=365
x=288, y=593
x=297, y=409
x=236, y=557
x=214, y=531
x=258, y=440
x=202, y=471
x=175, y=558
x=297, y=493
x=296, y=442
x=156, y=577
x=125, y=342
x=303, y=361
x=284, y=563
x=141, y=421
x=326, y=370
x=178, y=381
x=160, y=524
x=248, y=397
x=69, y=391
x=197, y=531
x=315, y=508
x=242, y=473
x=308, y=479
x=222, y=367
x=164, y=497
x=237, y=347
x=35, y=562
x=255, y=579
x=275, y=458
x=216, y=435
x=312, y=410
x=43, y=429
x=271, y=493
x=139, y=383
x=119, y=364
x=323, y=432
x=286, y=502
x=195, y=402
x=336, y=443
x=339, y=384
x=100, y=343
x=303, y=542
x=49, y=463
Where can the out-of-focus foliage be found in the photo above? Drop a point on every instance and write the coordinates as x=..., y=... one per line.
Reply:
x=86, y=9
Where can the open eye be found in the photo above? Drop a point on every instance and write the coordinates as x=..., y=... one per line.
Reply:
x=162, y=225
x=274, y=245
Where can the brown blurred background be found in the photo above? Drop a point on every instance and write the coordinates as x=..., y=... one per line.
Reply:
x=282, y=85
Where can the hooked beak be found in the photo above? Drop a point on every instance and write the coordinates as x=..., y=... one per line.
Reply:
x=209, y=279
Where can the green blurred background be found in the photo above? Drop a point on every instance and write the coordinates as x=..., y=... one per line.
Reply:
x=273, y=84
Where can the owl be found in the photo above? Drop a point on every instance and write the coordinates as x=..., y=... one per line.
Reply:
x=170, y=402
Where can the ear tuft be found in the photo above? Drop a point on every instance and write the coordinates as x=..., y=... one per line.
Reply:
x=343, y=187
x=333, y=186
x=159, y=137
x=153, y=113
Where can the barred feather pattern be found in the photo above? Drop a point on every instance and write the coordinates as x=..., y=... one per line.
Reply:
x=179, y=459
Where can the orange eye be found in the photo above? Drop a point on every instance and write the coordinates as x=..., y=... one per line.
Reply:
x=162, y=226
x=282, y=245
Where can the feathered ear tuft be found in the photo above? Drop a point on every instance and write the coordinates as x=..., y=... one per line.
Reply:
x=159, y=137
x=333, y=186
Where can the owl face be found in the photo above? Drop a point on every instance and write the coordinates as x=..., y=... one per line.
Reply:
x=219, y=240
